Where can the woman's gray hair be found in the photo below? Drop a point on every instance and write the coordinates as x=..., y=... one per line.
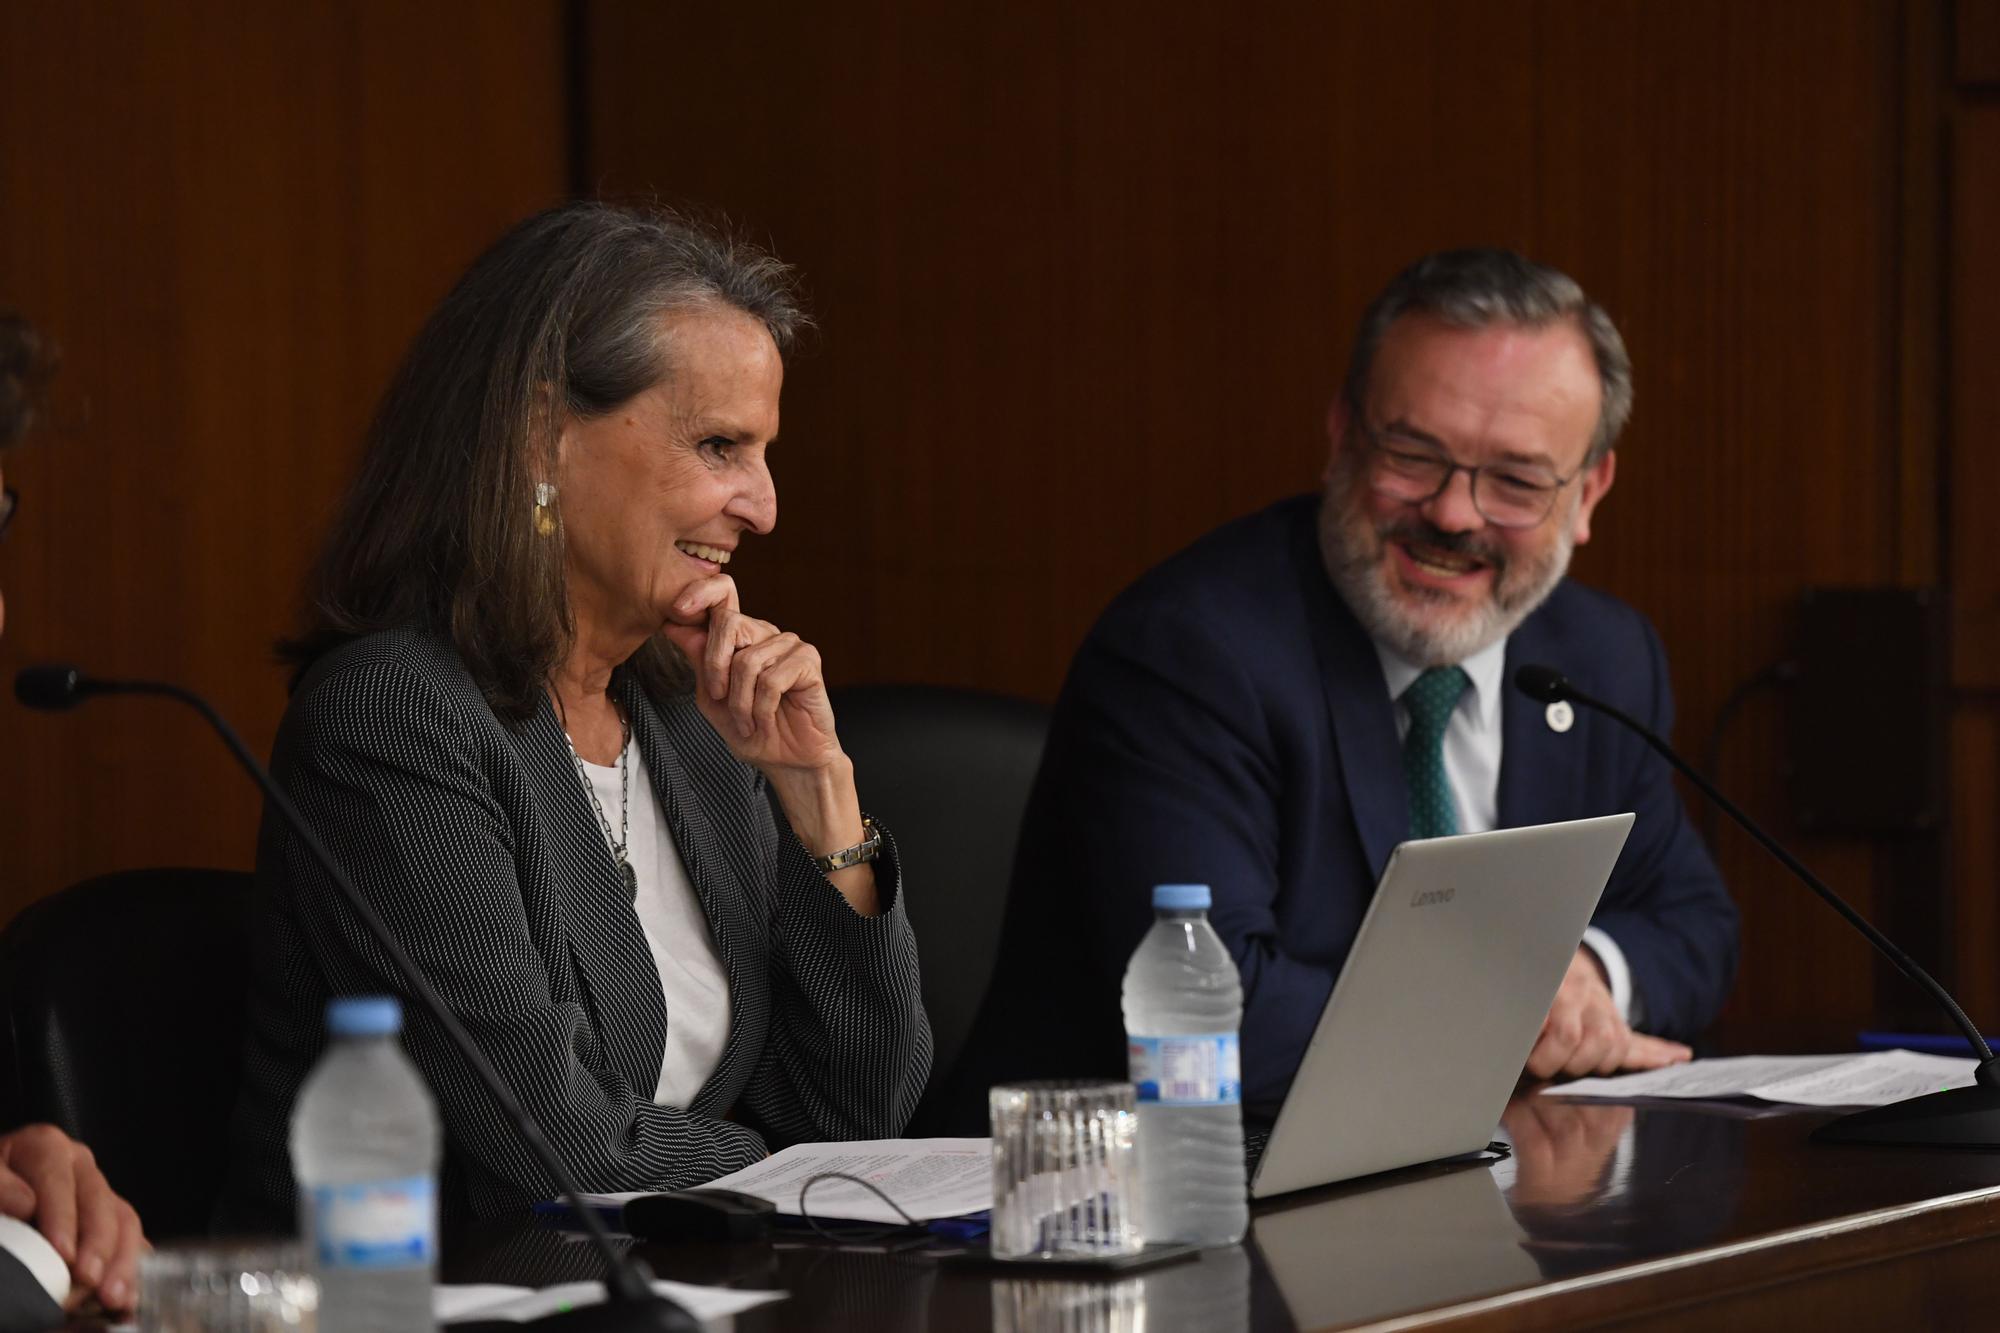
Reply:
x=644, y=264
x=1475, y=289
x=562, y=314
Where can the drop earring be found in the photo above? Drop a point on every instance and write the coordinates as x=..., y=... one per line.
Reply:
x=545, y=514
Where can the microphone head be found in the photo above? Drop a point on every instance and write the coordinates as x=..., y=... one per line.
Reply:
x=1543, y=684
x=50, y=688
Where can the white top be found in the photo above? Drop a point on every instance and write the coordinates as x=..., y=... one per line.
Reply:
x=1472, y=741
x=676, y=929
x=37, y=1256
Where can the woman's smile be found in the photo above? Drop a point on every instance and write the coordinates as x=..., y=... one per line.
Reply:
x=710, y=558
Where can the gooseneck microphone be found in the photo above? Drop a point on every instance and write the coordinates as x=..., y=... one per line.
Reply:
x=52, y=688
x=632, y=1302
x=1958, y=1118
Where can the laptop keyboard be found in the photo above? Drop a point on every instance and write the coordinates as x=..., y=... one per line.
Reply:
x=1254, y=1142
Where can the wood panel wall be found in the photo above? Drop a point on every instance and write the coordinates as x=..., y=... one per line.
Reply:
x=1087, y=276
x=231, y=216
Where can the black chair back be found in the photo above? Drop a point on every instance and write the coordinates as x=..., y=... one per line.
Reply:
x=948, y=772
x=124, y=1016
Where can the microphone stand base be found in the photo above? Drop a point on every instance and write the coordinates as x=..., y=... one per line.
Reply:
x=1956, y=1118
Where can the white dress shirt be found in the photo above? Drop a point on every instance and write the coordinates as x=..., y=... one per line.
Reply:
x=1472, y=764
x=676, y=929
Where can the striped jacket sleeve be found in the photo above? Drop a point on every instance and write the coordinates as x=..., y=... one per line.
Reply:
x=849, y=1045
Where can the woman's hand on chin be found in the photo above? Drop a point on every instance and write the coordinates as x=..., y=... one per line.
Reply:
x=760, y=687
x=763, y=691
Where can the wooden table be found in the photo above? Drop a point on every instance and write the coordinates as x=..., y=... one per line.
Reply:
x=1668, y=1216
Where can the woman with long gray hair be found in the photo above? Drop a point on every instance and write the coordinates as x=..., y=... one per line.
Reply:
x=605, y=810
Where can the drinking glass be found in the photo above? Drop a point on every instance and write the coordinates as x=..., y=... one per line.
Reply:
x=1065, y=1170
x=227, y=1287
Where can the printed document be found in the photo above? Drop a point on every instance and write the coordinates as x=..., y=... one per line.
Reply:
x=929, y=1178
x=1874, y=1079
x=515, y=1305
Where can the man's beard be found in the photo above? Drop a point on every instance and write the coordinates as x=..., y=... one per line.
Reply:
x=1355, y=549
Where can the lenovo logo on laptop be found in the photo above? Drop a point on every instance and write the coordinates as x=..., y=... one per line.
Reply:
x=1433, y=897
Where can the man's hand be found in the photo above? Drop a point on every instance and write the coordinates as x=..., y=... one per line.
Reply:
x=51, y=1180
x=1585, y=1034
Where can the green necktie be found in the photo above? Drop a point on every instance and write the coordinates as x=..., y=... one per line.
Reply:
x=1430, y=699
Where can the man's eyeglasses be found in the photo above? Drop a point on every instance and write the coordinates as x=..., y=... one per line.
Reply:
x=10, y=503
x=1507, y=495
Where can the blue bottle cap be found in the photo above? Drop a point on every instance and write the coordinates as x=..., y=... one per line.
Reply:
x=1180, y=897
x=364, y=1016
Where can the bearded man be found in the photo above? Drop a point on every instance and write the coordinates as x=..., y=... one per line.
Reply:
x=1274, y=709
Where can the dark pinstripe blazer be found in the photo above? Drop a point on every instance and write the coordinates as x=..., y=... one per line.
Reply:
x=480, y=849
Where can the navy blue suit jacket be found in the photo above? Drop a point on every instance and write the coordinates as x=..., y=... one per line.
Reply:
x=1227, y=722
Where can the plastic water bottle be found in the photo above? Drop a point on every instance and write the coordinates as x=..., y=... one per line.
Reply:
x=365, y=1155
x=1183, y=1004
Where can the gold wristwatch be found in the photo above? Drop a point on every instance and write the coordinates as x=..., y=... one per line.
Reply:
x=867, y=849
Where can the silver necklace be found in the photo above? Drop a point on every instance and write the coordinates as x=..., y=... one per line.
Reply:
x=618, y=844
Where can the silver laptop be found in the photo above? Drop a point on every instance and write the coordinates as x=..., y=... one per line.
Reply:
x=1442, y=997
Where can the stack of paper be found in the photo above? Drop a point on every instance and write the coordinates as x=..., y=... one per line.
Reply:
x=1875, y=1079
x=929, y=1178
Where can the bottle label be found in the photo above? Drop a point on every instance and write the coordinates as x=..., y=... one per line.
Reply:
x=382, y=1224
x=1186, y=1071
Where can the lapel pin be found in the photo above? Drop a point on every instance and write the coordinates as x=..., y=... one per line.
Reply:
x=1561, y=717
